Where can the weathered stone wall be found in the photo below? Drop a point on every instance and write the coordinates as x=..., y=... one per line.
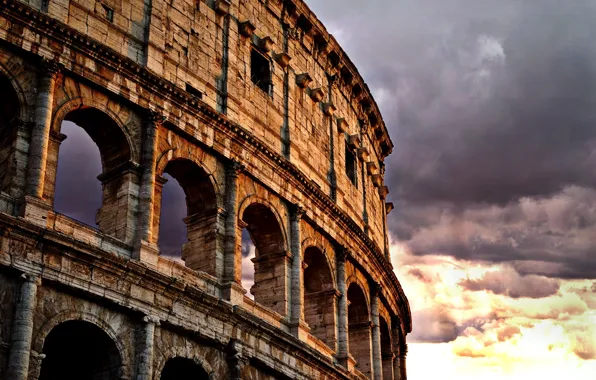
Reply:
x=166, y=88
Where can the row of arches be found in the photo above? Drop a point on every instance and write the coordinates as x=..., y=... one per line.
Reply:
x=92, y=174
x=78, y=349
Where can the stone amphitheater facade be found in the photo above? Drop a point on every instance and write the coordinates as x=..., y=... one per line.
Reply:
x=263, y=120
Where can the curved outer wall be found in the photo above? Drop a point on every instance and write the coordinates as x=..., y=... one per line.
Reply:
x=266, y=124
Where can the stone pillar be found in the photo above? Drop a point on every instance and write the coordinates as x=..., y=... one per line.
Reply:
x=297, y=324
x=144, y=249
x=377, y=367
x=40, y=135
x=232, y=277
x=342, y=308
x=402, y=362
x=396, y=340
x=22, y=329
x=145, y=369
x=236, y=361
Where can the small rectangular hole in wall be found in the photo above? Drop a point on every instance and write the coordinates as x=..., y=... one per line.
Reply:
x=45, y=5
x=351, y=165
x=260, y=71
x=109, y=13
x=193, y=91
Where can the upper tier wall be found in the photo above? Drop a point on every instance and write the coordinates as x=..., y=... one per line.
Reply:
x=205, y=47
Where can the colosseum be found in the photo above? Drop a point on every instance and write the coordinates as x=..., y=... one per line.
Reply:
x=253, y=109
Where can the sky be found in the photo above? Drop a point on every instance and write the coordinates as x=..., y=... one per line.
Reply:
x=491, y=106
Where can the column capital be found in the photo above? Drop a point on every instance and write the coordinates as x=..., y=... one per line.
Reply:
x=150, y=319
x=375, y=288
x=342, y=253
x=156, y=118
x=31, y=278
x=234, y=168
x=297, y=212
x=49, y=68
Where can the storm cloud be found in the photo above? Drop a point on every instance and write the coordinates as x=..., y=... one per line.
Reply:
x=491, y=107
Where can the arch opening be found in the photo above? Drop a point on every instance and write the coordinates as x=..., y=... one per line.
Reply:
x=386, y=349
x=197, y=215
x=179, y=368
x=90, y=176
x=10, y=161
x=359, y=329
x=80, y=350
x=319, y=296
x=271, y=259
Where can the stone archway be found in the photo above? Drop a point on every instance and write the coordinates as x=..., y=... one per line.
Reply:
x=179, y=368
x=115, y=216
x=201, y=217
x=272, y=258
x=319, y=296
x=78, y=349
x=359, y=328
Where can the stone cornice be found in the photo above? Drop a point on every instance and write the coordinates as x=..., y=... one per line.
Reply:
x=52, y=28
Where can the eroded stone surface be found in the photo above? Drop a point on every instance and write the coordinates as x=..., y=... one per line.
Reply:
x=169, y=88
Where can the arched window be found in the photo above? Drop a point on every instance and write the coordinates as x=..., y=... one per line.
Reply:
x=199, y=211
x=386, y=349
x=359, y=329
x=80, y=350
x=9, y=114
x=183, y=369
x=78, y=192
x=319, y=296
x=271, y=259
x=69, y=183
x=248, y=267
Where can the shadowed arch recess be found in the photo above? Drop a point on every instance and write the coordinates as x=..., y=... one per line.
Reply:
x=201, y=216
x=271, y=257
x=359, y=328
x=118, y=200
x=80, y=350
x=319, y=296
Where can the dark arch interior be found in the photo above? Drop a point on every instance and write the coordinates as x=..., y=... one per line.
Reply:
x=9, y=113
x=386, y=348
x=269, y=286
x=317, y=275
x=94, y=145
x=111, y=141
x=264, y=229
x=183, y=369
x=188, y=193
x=319, y=311
x=77, y=350
x=199, y=191
x=357, y=310
x=359, y=332
x=78, y=192
x=9, y=107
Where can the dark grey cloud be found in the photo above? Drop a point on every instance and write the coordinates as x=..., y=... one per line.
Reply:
x=492, y=109
x=510, y=283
